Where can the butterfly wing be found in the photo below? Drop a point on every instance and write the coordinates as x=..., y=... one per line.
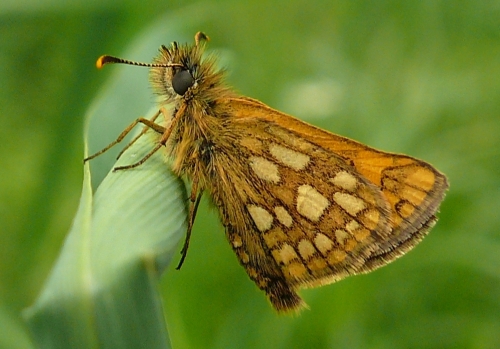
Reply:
x=413, y=188
x=297, y=212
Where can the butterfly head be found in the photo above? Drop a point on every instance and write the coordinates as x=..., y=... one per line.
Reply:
x=179, y=72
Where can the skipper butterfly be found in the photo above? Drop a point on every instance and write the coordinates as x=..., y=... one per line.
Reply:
x=302, y=207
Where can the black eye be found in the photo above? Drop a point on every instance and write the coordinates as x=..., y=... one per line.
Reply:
x=181, y=81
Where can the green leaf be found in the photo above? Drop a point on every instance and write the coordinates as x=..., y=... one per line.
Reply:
x=102, y=291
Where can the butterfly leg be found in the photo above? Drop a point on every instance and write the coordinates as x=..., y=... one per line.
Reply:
x=194, y=198
x=166, y=132
x=148, y=123
x=143, y=131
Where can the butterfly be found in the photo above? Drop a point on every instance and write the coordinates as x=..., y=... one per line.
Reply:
x=302, y=207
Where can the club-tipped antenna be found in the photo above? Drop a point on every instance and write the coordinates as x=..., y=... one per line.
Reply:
x=200, y=37
x=105, y=59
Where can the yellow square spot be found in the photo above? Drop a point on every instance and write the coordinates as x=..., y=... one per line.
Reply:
x=336, y=256
x=296, y=269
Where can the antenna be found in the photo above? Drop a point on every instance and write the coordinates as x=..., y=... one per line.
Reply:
x=105, y=59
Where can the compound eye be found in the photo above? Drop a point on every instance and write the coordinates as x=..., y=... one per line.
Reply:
x=182, y=81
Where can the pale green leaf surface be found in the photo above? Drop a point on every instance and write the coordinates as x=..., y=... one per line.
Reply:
x=102, y=291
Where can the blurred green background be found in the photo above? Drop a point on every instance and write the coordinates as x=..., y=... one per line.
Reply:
x=416, y=77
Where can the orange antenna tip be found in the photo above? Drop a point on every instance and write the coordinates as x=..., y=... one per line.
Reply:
x=105, y=59
x=99, y=63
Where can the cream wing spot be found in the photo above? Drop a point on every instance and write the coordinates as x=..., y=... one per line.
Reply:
x=310, y=203
x=352, y=226
x=287, y=253
x=265, y=169
x=323, y=243
x=283, y=216
x=345, y=181
x=289, y=157
x=262, y=219
x=341, y=236
x=306, y=249
x=350, y=203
